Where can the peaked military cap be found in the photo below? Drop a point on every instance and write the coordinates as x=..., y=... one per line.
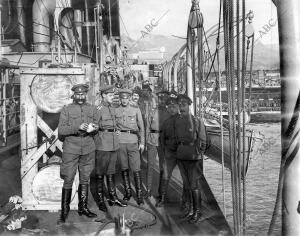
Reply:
x=79, y=88
x=124, y=92
x=184, y=97
x=163, y=93
x=146, y=85
x=108, y=89
x=137, y=90
x=173, y=94
x=171, y=101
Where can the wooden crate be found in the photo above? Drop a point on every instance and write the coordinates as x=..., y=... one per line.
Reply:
x=35, y=188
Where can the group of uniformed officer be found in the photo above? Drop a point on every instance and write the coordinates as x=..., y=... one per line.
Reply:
x=98, y=137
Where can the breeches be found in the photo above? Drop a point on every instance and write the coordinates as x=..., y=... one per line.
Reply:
x=192, y=172
x=72, y=162
x=129, y=157
x=106, y=162
x=152, y=151
x=170, y=163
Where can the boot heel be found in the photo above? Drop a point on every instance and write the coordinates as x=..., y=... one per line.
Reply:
x=65, y=205
x=197, y=207
x=100, y=191
x=83, y=201
x=127, y=187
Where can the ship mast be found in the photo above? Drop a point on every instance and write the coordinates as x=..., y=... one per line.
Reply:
x=194, y=34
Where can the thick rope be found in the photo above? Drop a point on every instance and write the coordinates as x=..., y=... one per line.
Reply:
x=228, y=85
x=232, y=113
x=244, y=115
x=239, y=106
x=221, y=109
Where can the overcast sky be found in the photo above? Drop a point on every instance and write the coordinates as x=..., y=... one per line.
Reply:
x=136, y=14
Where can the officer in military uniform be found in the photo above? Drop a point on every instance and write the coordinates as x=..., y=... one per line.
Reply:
x=154, y=124
x=146, y=100
x=169, y=146
x=191, y=142
x=131, y=128
x=77, y=125
x=107, y=145
x=134, y=101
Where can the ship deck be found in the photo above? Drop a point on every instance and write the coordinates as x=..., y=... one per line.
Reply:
x=168, y=221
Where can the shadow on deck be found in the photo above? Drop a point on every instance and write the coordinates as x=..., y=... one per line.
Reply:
x=168, y=221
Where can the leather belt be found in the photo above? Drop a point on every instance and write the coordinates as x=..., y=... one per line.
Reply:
x=129, y=131
x=80, y=135
x=108, y=130
x=186, y=143
x=155, y=131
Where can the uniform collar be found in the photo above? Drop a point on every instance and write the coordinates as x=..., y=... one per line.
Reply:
x=106, y=104
x=84, y=104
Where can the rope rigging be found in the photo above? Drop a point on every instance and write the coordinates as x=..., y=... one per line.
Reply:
x=221, y=109
x=197, y=52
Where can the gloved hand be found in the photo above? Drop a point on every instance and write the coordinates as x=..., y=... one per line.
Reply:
x=83, y=126
x=141, y=147
x=92, y=127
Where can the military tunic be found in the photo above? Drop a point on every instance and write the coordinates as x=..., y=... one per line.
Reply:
x=131, y=126
x=169, y=144
x=154, y=125
x=185, y=127
x=78, y=146
x=107, y=140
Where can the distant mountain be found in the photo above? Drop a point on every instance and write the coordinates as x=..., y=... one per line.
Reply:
x=152, y=41
x=265, y=56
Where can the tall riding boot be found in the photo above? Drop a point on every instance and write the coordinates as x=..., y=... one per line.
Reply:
x=138, y=187
x=65, y=205
x=163, y=192
x=161, y=175
x=113, y=198
x=197, y=206
x=185, y=199
x=149, y=177
x=100, y=193
x=190, y=210
x=126, y=183
x=83, y=200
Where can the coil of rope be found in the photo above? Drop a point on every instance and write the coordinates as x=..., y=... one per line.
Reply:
x=133, y=225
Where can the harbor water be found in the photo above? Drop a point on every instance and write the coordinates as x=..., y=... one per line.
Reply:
x=261, y=181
